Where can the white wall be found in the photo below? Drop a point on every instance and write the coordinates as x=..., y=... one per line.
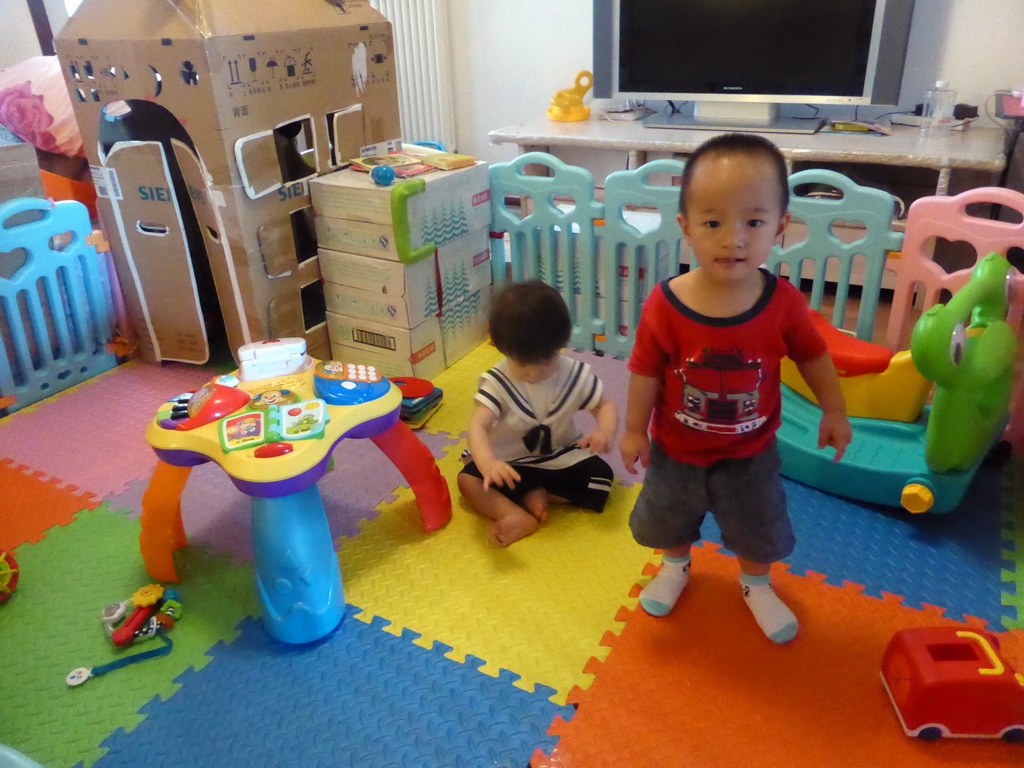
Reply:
x=18, y=38
x=18, y=35
x=511, y=57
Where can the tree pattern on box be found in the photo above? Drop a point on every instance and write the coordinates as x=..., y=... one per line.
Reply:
x=459, y=314
x=455, y=285
x=430, y=299
x=443, y=226
x=464, y=305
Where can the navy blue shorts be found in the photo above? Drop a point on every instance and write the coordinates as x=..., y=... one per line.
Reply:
x=584, y=484
x=745, y=496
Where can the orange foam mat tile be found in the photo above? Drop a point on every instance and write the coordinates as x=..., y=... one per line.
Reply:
x=704, y=687
x=31, y=503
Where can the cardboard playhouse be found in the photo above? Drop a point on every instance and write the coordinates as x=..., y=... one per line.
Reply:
x=204, y=121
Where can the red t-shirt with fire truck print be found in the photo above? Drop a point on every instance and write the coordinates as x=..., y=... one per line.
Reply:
x=720, y=375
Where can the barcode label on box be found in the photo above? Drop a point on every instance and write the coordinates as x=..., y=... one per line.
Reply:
x=371, y=339
x=105, y=181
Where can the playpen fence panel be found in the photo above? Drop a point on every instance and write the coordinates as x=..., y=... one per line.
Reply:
x=628, y=255
x=606, y=269
x=56, y=304
x=550, y=233
x=920, y=281
x=639, y=246
x=843, y=202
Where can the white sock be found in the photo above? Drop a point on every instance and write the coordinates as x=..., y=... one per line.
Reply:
x=773, y=616
x=661, y=593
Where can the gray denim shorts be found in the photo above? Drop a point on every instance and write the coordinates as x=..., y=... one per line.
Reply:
x=745, y=496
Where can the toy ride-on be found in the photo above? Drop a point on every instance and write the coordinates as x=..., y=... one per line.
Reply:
x=966, y=349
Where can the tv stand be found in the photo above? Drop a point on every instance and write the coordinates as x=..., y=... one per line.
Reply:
x=776, y=124
x=602, y=145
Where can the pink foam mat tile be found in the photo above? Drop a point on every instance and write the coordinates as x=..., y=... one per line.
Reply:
x=92, y=436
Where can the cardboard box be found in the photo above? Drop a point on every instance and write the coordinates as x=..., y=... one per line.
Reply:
x=380, y=275
x=403, y=295
x=464, y=265
x=393, y=351
x=355, y=215
x=204, y=122
x=405, y=311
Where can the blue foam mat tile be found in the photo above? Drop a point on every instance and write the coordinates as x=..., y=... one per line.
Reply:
x=952, y=560
x=360, y=697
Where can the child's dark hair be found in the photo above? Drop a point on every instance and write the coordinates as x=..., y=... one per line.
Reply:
x=749, y=144
x=529, y=321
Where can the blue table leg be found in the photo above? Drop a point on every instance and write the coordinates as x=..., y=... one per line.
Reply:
x=297, y=571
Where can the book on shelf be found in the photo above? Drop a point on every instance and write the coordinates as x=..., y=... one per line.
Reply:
x=447, y=161
x=403, y=165
x=857, y=126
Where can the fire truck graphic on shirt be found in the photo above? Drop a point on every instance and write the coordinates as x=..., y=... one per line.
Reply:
x=720, y=392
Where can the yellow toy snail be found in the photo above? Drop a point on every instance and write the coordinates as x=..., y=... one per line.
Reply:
x=567, y=104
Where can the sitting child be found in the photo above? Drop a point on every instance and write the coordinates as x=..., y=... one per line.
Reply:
x=526, y=449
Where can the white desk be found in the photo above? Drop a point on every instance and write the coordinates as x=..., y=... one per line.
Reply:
x=975, y=149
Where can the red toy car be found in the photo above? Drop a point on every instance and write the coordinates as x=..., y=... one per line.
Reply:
x=949, y=681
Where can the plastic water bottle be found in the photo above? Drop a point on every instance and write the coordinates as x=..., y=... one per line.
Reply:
x=937, y=112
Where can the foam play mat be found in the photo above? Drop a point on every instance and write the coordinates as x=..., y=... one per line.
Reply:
x=453, y=652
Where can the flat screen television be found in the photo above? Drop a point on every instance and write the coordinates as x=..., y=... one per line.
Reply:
x=738, y=60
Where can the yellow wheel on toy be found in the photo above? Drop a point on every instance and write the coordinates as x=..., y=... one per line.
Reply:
x=8, y=575
x=917, y=498
x=148, y=595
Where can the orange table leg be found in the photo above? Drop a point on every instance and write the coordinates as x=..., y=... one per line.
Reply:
x=162, y=531
x=416, y=463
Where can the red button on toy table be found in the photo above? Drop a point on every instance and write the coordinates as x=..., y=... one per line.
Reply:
x=271, y=450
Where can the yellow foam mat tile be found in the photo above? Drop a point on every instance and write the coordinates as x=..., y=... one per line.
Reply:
x=459, y=384
x=538, y=608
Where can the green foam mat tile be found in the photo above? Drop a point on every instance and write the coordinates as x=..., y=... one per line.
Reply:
x=1013, y=534
x=52, y=625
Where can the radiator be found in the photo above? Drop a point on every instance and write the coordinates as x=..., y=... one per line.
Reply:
x=424, y=68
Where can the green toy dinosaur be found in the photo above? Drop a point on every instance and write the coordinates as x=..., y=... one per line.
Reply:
x=968, y=350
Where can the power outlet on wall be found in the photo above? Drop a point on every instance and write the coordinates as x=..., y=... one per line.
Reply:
x=1009, y=104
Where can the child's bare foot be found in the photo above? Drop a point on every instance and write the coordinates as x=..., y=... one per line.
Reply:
x=536, y=503
x=513, y=527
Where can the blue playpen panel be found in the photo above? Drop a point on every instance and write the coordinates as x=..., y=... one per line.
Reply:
x=635, y=252
x=551, y=234
x=860, y=206
x=55, y=306
x=605, y=263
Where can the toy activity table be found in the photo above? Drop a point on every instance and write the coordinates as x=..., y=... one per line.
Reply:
x=271, y=425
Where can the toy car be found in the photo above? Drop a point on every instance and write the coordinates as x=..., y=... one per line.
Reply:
x=8, y=575
x=949, y=681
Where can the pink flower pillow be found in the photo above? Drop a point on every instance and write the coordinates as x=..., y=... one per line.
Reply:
x=35, y=106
